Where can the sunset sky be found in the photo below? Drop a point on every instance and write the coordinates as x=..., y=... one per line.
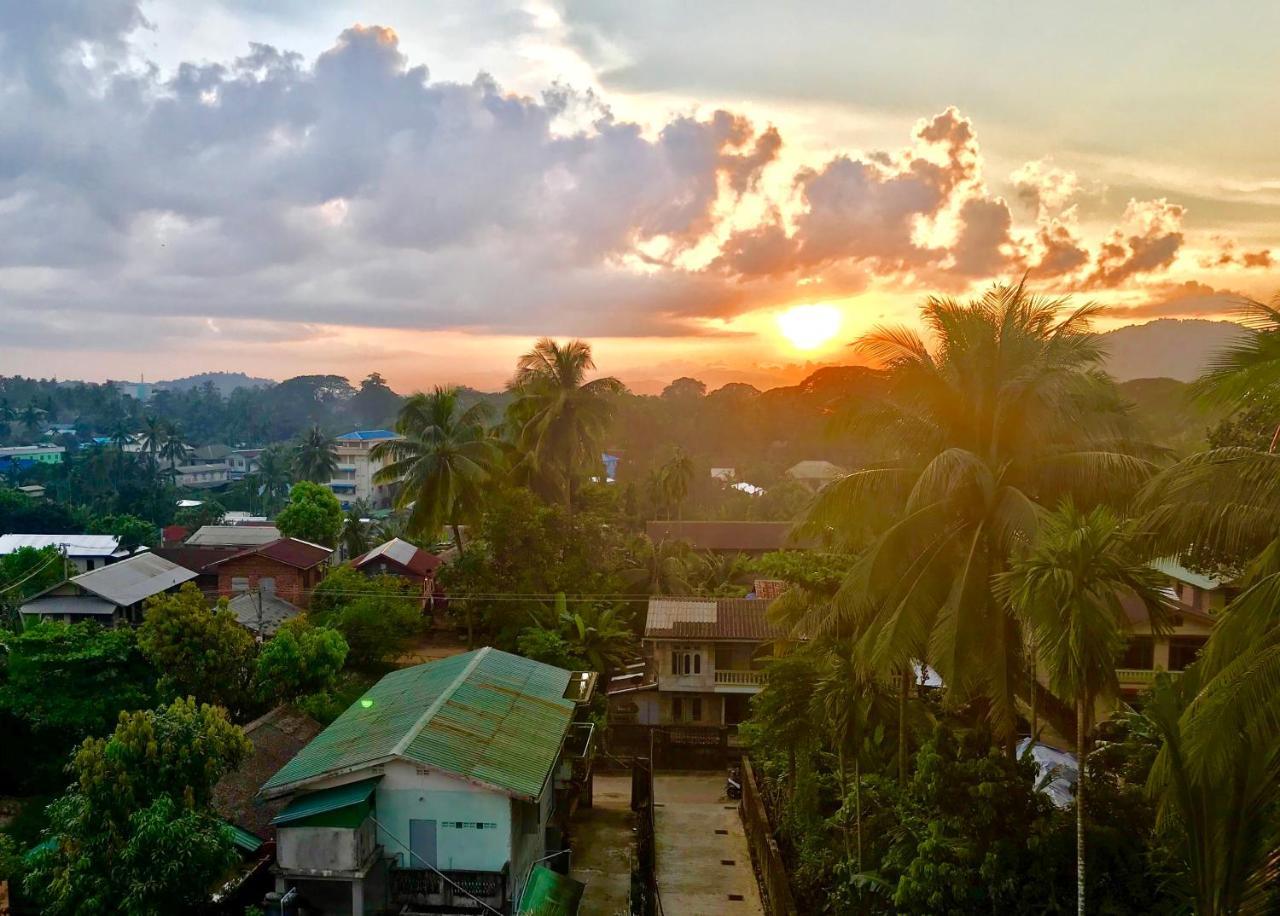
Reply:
x=727, y=190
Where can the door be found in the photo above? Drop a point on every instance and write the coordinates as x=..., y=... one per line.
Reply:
x=422, y=844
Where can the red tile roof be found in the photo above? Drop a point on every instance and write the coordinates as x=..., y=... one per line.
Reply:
x=289, y=551
x=710, y=618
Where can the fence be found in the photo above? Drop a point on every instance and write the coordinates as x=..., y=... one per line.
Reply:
x=644, y=868
x=764, y=848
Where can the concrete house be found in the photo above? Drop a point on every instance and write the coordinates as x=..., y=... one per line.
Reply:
x=704, y=660
x=434, y=791
x=85, y=551
x=356, y=469
x=1148, y=651
x=112, y=594
x=287, y=568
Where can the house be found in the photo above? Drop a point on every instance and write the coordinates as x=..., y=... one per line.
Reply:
x=754, y=538
x=21, y=457
x=243, y=462
x=1203, y=593
x=241, y=536
x=276, y=737
x=400, y=558
x=85, y=551
x=199, y=560
x=1148, y=652
x=704, y=660
x=32, y=491
x=286, y=567
x=356, y=469
x=815, y=474
x=201, y=475
x=111, y=594
x=435, y=789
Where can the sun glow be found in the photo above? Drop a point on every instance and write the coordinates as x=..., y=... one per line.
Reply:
x=809, y=326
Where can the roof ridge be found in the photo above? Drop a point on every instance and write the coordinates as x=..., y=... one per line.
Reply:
x=430, y=711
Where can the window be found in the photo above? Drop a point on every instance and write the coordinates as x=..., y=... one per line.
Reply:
x=695, y=715
x=267, y=584
x=1183, y=650
x=675, y=662
x=677, y=709
x=1140, y=654
x=239, y=583
x=697, y=663
x=688, y=663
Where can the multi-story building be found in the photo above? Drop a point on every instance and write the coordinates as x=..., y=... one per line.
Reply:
x=85, y=552
x=24, y=456
x=704, y=660
x=357, y=468
x=243, y=462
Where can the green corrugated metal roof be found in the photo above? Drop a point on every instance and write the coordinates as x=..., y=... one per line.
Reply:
x=485, y=715
x=313, y=803
x=549, y=893
x=244, y=840
x=1175, y=570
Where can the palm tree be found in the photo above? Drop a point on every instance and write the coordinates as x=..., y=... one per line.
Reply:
x=721, y=574
x=173, y=450
x=660, y=568
x=595, y=634
x=1069, y=589
x=153, y=436
x=1008, y=412
x=274, y=466
x=31, y=416
x=315, y=457
x=444, y=459
x=559, y=419
x=677, y=475
x=355, y=531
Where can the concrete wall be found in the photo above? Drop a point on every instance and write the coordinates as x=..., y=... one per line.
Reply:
x=705, y=679
x=324, y=848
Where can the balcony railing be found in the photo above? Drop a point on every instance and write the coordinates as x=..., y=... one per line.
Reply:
x=728, y=677
x=1141, y=675
x=425, y=887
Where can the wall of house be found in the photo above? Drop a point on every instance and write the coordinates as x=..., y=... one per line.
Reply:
x=702, y=670
x=408, y=792
x=711, y=711
x=290, y=584
x=325, y=848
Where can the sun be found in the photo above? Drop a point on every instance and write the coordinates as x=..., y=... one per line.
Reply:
x=809, y=326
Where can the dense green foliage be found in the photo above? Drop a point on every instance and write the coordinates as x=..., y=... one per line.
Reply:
x=313, y=514
x=378, y=616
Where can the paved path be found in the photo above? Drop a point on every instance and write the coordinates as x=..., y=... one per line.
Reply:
x=603, y=840
x=693, y=879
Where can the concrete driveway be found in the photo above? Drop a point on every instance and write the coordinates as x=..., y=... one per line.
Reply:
x=704, y=865
x=603, y=843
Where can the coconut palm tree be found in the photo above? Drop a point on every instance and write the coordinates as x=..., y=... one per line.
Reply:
x=558, y=418
x=174, y=449
x=1008, y=411
x=1069, y=589
x=677, y=476
x=153, y=436
x=355, y=537
x=315, y=456
x=594, y=633
x=660, y=568
x=443, y=460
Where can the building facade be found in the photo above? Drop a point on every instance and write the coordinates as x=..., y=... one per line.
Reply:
x=354, y=481
x=288, y=568
x=22, y=457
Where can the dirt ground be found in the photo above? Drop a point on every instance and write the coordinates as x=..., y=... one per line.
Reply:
x=603, y=843
x=703, y=859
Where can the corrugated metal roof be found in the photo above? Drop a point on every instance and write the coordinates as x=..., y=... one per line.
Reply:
x=289, y=551
x=132, y=580
x=710, y=618
x=412, y=558
x=243, y=839
x=68, y=604
x=549, y=893
x=815, y=469
x=368, y=434
x=485, y=716
x=233, y=536
x=312, y=803
x=274, y=611
x=1175, y=570
x=75, y=545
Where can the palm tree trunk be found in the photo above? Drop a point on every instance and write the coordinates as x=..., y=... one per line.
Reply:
x=1080, y=803
x=844, y=794
x=857, y=804
x=902, y=727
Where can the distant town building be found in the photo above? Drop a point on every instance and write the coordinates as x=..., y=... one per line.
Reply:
x=353, y=481
x=243, y=462
x=112, y=594
x=241, y=536
x=85, y=551
x=22, y=457
x=815, y=474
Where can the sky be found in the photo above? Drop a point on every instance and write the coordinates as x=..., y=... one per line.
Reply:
x=733, y=191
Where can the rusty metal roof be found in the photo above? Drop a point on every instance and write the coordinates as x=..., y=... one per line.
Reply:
x=485, y=716
x=710, y=618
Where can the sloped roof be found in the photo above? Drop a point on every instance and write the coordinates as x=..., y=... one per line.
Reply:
x=768, y=589
x=233, y=536
x=485, y=716
x=293, y=552
x=414, y=559
x=212, y=452
x=74, y=545
x=710, y=618
x=724, y=535
x=132, y=580
x=197, y=558
x=815, y=469
x=275, y=611
x=69, y=604
x=368, y=434
x=1175, y=570
x=275, y=737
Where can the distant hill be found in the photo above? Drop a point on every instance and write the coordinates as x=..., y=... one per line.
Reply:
x=1166, y=348
x=225, y=382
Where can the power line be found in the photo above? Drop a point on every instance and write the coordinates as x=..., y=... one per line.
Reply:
x=35, y=572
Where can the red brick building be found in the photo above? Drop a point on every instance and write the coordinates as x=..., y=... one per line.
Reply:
x=288, y=567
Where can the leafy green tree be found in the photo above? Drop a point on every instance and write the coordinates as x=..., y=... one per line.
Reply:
x=559, y=418
x=313, y=514
x=374, y=403
x=209, y=512
x=141, y=797
x=200, y=651
x=1009, y=411
x=1069, y=589
x=551, y=648
x=273, y=476
x=27, y=572
x=132, y=531
x=299, y=659
x=315, y=457
x=594, y=633
x=378, y=616
x=444, y=459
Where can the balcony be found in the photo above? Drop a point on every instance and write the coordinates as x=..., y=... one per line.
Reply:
x=450, y=891
x=1141, y=676
x=729, y=677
